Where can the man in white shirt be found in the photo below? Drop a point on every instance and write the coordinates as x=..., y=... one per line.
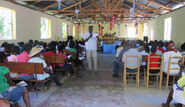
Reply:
x=90, y=39
x=117, y=63
x=132, y=51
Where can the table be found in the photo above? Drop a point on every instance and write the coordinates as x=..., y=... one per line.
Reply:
x=109, y=48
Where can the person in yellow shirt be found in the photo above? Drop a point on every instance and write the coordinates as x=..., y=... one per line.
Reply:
x=177, y=92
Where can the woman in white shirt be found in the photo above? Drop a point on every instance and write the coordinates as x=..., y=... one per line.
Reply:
x=172, y=51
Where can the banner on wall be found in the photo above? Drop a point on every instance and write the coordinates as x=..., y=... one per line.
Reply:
x=83, y=27
x=67, y=29
x=101, y=32
x=110, y=25
x=136, y=25
x=78, y=28
x=126, y=28
x=119, y=28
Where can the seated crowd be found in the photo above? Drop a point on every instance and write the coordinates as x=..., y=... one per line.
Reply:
x=155, y=49
x=34, y=52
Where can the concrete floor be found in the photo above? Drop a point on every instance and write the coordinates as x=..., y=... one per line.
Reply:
x=98, y=90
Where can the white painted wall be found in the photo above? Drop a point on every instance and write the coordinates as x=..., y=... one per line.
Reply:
x=28, y=24
x=178, y=26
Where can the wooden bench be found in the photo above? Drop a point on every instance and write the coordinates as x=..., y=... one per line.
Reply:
x=73, y=55
x=55, y=60
x=30, y=68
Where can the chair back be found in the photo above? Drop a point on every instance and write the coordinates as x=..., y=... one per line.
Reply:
x=157, y=61
x=173, y=68
x=131, y=66
x=132, y=61
x=173, y=65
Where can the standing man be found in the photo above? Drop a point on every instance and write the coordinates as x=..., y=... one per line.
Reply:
x=90, y=39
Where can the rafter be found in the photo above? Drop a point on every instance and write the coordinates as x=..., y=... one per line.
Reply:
x=180, y=2
x=159, y=4
x=122, y=16
x=112, y=3
x=124, y=4
x=169, y=3
x=105, y=4
x=142, y=14
x=63, y=5
x=118, y=4
x=69, y=7
x=39, y=0
x=49, y=6
x=76, y=5
x=36, y=2
x=112, y=10
x=142, y=5
x=148, y=3
x=97, y=6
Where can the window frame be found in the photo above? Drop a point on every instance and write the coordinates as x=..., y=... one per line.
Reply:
x=49, y=28
x=64, y=35
x=74, y=30
x=168, y=29
x=13, y=24
x=128, y=35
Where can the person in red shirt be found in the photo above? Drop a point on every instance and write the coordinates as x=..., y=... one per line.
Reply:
x=160, y=48
x=50, y=52
x=65, y=66
x=153, y=53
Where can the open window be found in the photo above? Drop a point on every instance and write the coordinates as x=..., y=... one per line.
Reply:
x=167, y=28
x=7, y=24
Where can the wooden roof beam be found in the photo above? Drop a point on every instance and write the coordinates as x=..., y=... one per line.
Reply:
x=148, y=3
x=159, y=4
x=142, y=5
x=118, y=17
x=112, y=10
x=118, y=4
x=49, y=6
x=124, y=4
x=142, y=14
x=97, y=6
x=180, y=2
x=112, y=3
x=105, y=4
x=72, y=5
x=37, y=0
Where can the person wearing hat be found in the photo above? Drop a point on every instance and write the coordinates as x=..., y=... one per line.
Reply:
x=8, y=89
x=172, y=51
x=48, y=73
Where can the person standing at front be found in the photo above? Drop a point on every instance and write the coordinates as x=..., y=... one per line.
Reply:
x=90, y=39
